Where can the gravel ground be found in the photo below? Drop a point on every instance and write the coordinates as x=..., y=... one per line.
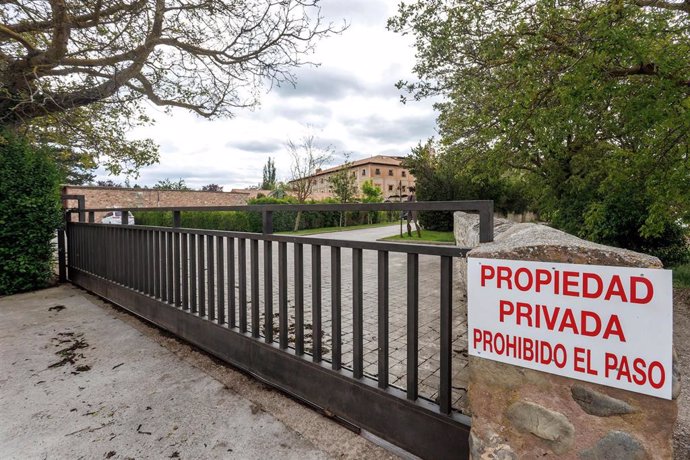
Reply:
x=681, y=341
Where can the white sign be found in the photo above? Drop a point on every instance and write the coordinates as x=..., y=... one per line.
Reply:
x=607, y=325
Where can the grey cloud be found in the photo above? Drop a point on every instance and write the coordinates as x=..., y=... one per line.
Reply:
x=407, y=129
x=310, y=113
x=324, y=85
x=257, y=146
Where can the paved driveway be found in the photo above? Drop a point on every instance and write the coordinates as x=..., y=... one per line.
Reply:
x=429, y=318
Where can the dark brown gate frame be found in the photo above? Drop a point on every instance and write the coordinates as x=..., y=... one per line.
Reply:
x=126, y=272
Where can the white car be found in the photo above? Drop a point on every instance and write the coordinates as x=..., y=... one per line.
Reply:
x=115, y=217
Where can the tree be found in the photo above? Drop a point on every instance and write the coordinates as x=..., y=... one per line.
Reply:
x=73, y=167
x=371, y=194
x=86, y=67
x=586, y=102
x=167, y=184
x=108, y=183
x=307, y=156
x=344, y=186
x=269, y=179
x=212, y=188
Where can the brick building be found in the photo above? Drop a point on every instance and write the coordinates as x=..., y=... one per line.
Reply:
x=116, y=197
x=386, y=173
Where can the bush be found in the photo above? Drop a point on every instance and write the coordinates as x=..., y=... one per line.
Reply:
x=29, y=215
x=245, y=221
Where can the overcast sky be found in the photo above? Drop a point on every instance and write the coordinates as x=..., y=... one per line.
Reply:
x=350, y=101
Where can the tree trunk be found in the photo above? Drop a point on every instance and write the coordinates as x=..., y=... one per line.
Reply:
x=297, y=220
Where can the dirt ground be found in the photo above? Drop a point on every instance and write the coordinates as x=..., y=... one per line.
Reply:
x=681, y=342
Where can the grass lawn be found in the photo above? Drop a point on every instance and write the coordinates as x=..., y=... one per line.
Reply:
x=313, y=231
x=681, y=276
x=428, y=236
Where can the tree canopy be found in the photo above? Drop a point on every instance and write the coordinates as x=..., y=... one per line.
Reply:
x=587, y=101
x=77, y=72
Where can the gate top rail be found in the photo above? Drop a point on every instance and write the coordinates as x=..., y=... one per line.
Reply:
x=470, y=205
x=417, y=248
x=485, y=209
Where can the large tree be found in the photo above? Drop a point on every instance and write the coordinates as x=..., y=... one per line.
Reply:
x=77, y=72
x=585, y=100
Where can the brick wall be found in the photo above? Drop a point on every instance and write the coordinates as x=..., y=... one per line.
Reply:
x=114, y=197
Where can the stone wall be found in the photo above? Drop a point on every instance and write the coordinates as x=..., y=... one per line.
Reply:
x=114, y=197
x=522, y=413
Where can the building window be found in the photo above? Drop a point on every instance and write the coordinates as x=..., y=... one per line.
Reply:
x=390, y=188
x=364, y=172
x=378, y=172
x=390, y=172
x=403, y=188
x=404, y=173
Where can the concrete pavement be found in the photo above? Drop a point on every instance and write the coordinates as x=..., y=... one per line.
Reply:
x=82, y=379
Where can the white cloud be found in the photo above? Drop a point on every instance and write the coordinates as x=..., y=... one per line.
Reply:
x=349, y=100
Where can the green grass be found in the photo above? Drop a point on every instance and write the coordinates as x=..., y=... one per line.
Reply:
x=681, y=276
x=313, y=231
x=428, y=236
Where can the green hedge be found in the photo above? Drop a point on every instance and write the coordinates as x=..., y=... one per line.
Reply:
x=29, y=215
x=243, y=221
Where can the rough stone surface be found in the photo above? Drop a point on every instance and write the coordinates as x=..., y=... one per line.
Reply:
x=541, y=243
x=495, y=387
x=616, y=445
x=494, y=448
x=599, y=404
x=466, y=228
x=544, y=423
x=675, y=377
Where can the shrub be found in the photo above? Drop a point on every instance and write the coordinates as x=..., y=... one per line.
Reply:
x=29, y=215
x=245, y=221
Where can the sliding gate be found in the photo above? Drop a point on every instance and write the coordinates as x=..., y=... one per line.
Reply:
x=318, y=318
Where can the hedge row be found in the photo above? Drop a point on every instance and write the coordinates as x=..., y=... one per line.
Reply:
x=29, y=215
x=244, y=221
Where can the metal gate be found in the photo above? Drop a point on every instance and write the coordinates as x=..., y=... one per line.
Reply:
x=241, y=297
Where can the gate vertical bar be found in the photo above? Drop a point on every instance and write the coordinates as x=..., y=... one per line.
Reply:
x=177, y=269
x=192, y=273
x=412, y=325
x=316, y=302
x=254, y=258
x=169, y=267
x=242, y=281
x=156, y=265
x=299, y=299
x=232, y=321
x=445, y=384
x=268, y=291
x=185, y=270
x=336, y=301
x=357, y=315
x=201, y=275
x=210, y=270
x=220, y=265
x=383, y=318
x=282, y=295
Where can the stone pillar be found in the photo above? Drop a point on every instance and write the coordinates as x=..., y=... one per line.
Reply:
x=522, y=413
